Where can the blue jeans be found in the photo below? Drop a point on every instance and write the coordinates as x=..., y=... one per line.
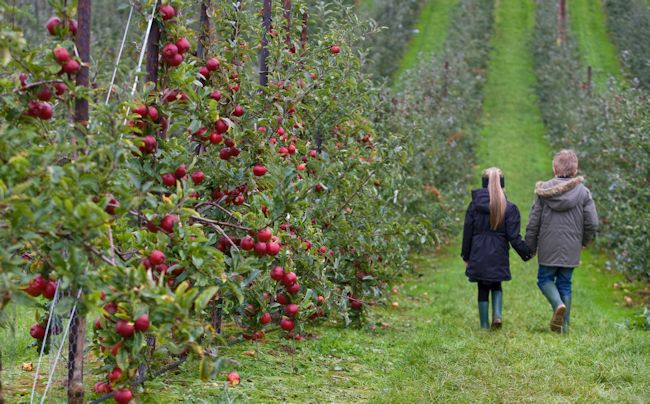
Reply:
x=559, y=275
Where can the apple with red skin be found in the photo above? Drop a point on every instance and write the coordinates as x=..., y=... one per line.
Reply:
x=103, y=387
x=149, y=145
x=71, y=67
x=291, y=310
x=212, y=64
x=73, y=26
x=203, y=71
x=115, y=349
x=44, y=94
x=221, y=126
x=142, y=323
x=335, y=49
x=167, y=223
x=183, y=45
x=153, y=113
x=239, y=200
x=321, y=299
x=259, y=170
x=169, y=51
x=293, y=289
x=265, y=318
x=216, y=138
x=157, y=257
x=260, y=248
x=355, y=303
x=53, y=25
x=110, y=308
x=61, y=55
x=36, y=286
x=238, y=111
x=45, y=111
x=264, y=234
x=98, y=324
x=124, y=328
x=123, y=396
x=272, y=248
x=233, y=378
x=289, y=278
x=287, y=324
x=282, y=298
x=215, y=95
x=37, y=331
x=167, y=12
x=197, y=177
x=247, y=243
x=174, y=61
x=180, y=172
x=49, y=290
x=277, y=273
x=115, y=374
x=59, y=88
x=291, y=149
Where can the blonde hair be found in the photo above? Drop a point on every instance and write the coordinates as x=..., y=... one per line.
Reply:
x=565, y=163
x=497, y=197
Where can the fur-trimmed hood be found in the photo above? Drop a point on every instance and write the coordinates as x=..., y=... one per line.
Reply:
x=562, y=193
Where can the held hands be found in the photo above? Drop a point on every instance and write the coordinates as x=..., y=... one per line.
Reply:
x=466, y=263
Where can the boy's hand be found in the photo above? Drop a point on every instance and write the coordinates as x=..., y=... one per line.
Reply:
x=466, y=263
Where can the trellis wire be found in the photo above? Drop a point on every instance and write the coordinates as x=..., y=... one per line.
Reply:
x=58, y=353
x=146, y=38
x=47, y=333
x=119, y=54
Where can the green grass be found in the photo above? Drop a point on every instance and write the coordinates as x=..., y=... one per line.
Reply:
x=431, y=33
x=588, y=23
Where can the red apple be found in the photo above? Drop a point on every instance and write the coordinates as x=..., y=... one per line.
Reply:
x=287, y=324
x=272, y=248
x=123, y=396
x=233, y=378
x=53, y=25
x=183, y=45
x=115, y=374
x=50, y=290
x=142, y=323
x=221, y=126
x=167, y=223
x=277, y=273
x=169, y=51
x=103, y=388
x=167, y=12
x=203, y=71
x=153, y=113
x=44, y=94
x=259, y=170
x=124, y=328
x=37, y=331
x=289, y=279
x=215, y=95
x=260, y=249
x=291, y=310
x=265, y=319
x=180, y=172
x=212, y=64
x=282, y=298
x=59, y=88
x=238, y=111
x=168, y=179
x=247, y=243
x=197, y=177
x=215, y=138
x=264, y=235
x=61, y=55
x=73, y=26
x=293, y=289
x=157, y=257
x=335, y=49
x=71, y=67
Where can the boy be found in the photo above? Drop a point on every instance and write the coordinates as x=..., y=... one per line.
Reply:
x=562, y=219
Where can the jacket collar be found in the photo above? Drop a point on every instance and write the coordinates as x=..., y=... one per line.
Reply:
x=560, y=188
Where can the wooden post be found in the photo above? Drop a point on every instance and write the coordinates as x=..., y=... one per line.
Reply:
x=204, y=34
x=445, y=88
x=287, y=18
x=589, y=79
x=78, y=321
x=304, y=32
x=153, y=49
x=562, y=20
x=264, y=53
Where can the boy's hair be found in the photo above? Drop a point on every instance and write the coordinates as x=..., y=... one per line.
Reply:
x=565, y=163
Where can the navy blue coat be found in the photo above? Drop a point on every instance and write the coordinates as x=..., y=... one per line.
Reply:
x=487, y=250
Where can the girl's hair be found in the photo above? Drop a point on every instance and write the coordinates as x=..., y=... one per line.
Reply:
x=497, y=197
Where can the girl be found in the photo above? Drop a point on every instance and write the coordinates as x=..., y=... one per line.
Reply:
x=491, y=224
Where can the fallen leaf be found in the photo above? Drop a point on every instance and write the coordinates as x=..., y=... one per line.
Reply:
x=27, y=366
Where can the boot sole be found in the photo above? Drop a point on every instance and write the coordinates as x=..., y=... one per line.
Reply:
x=496, y=324
x=558, y=319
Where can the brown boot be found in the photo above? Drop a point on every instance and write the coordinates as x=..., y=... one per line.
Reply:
x=558, y=318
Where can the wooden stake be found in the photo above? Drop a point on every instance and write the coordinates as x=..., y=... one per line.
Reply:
x=153, y=50
x=562, y=21
x=304, y=33
x=204, y=35
x=287, y=17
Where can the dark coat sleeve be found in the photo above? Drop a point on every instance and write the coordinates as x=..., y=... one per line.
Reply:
x=590, y=220
x=513, y=227
x=534, y=223
x=468, y=230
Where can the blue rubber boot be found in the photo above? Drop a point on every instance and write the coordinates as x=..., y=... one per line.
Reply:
x=559, y=308
x=497, y=307
x=483, y=308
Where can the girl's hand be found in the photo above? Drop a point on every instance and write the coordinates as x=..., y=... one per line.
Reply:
x=466, y=263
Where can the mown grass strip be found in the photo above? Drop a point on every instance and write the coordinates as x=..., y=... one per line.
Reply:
x=588, y=24
x=430, y=33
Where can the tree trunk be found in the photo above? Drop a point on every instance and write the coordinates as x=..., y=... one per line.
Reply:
x=76, y=358
x=287, y=18
x=204, y=34
x=264, y=54
x=303, y=34
x=83, y=47
x=153, y=49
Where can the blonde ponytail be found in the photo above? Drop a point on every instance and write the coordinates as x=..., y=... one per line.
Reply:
x=497, y=197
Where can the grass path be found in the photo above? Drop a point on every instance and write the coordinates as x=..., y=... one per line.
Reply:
x=431, y=33
x=589, y=25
